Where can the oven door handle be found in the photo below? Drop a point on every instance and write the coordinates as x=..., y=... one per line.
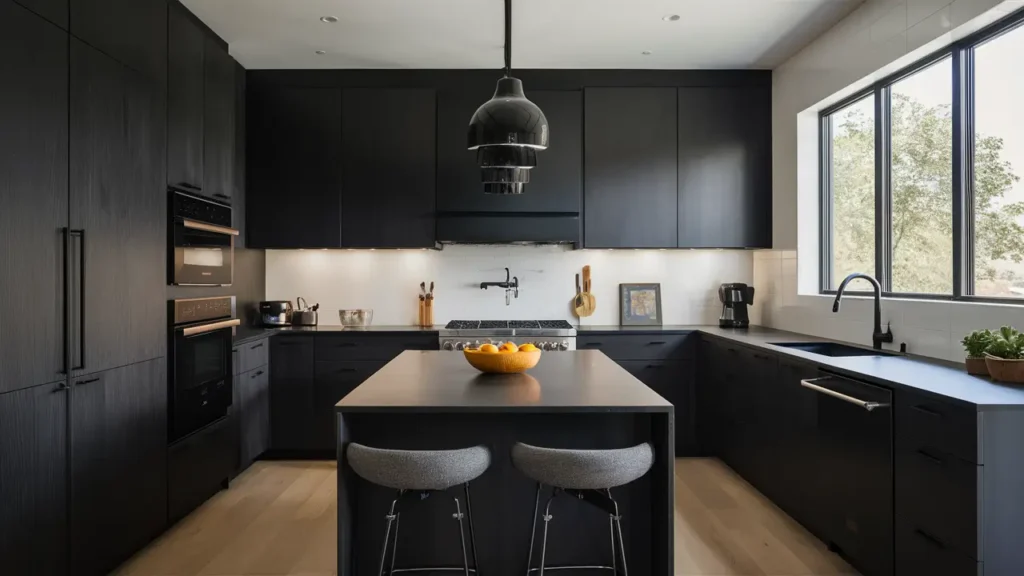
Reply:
x=197, y=225
x=204, y=328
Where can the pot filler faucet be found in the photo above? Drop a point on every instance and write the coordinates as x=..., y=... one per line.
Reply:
x=877, y=337
x=511, y=286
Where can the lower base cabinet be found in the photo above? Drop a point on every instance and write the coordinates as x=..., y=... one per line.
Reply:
x=333, y=381
x=200, y=465
x=33, y=480
x=119, y=464
x=291, y=393
x=253, y=414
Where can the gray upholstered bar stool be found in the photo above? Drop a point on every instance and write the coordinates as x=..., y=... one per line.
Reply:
x=588, y=475
x=421, y=472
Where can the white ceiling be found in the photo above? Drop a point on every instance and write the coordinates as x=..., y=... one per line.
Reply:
x=269, y=34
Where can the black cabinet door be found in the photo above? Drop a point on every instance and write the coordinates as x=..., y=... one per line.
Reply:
x=794, y=447
x=33, y=476
x=133, y=32
x=725, y=174
x=119, y=464
x=629, y=168
x=554, y=184
x=254, y=413
x=294, y=167
x=334, y=380
x=34, y=188
x=238, y=177
x=56, y=11
x=118, y=201
x=218, y=123
x=673, y=381
x=291, y=393
x=186, y=48
x=388, y=168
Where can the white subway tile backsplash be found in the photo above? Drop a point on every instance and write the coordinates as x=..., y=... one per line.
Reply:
x=388, y=281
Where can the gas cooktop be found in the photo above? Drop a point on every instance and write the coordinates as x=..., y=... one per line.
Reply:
x=554, y=335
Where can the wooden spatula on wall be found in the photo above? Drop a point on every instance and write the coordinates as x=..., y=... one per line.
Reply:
x=589, y=303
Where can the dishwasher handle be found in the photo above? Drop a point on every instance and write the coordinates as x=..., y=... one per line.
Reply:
x=869, y=406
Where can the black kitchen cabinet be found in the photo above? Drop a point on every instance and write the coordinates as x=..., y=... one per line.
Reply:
x=119, y=466
x=334, y=380
x=218, y=122
x=238, y=177
x=293, y=167
x=34, y=186
x=186, y=48
x=546, y=211
x=133, y=32
x=118, y=202
x=200, y=465
x=793, y=445
x=33, y=475
x=254, y=414
x=56, y=11
x=724, y=163
x=388, y=168
x=630, y=157
x=291, y=393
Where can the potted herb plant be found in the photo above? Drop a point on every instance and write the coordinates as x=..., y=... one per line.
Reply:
x=1004, y=356
x=975, y=344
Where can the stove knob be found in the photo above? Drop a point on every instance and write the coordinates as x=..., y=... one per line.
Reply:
x=460, y=346
x=448, y=346
x=563, y=345
x=548, y=345
x=476, y=345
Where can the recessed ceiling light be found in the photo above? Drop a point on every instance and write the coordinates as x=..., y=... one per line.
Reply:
x=670, y=18
x=320, y=52
x=646, y=52
x=333, y=19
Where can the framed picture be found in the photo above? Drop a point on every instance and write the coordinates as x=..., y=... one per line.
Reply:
x=640, y=304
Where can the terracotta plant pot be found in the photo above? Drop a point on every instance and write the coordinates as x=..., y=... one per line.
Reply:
x=1001, y=370
x=976, y=366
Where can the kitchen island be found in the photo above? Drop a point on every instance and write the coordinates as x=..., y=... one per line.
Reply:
x=435, y=400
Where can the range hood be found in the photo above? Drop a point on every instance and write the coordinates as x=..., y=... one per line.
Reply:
x=509, y=228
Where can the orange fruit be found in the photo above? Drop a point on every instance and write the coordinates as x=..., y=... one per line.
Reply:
x=528, y=347
x=508, y=347
x=489, y=349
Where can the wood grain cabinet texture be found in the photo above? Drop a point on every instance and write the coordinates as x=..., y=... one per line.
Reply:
x=118, y=200
x=132, y=32
x=218, y=122
x=186, y=72
x=33, y=474
x=34, y=186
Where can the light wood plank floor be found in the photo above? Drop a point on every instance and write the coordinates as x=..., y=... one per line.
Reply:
x=280, y=519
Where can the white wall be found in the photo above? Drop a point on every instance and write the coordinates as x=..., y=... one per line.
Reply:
x=388, y=281
x=875, y=40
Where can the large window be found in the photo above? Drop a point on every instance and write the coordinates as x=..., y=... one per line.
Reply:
x=919, y=174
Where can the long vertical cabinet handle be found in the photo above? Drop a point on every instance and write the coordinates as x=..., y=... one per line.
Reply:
x=66, y=356
x=81, y=300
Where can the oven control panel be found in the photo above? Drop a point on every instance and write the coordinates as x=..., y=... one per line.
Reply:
x=191, y=310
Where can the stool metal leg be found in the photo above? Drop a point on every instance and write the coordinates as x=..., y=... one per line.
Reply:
x=387, y=535
x=394, y=547
x=462, y=536
x=547, y=520
x=472, y=532
x=611, y=530
x=533, y=529
x=618, y=527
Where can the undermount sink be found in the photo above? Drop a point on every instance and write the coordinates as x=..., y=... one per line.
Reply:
x=833, y=349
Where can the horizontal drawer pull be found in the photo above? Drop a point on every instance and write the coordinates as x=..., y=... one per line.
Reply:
x=655, y=366
x=257, y=374
x=933, y=459
x=89, y=381
x=869, y=406
x=926, y=410
x=260, y=345
x=658, y=343
x=593, y=345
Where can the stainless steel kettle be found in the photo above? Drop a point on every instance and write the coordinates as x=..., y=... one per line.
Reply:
x=305, y=315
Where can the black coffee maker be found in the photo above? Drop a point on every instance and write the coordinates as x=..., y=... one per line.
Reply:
x=735, y=297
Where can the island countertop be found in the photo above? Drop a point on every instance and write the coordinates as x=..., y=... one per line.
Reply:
x=442, y=381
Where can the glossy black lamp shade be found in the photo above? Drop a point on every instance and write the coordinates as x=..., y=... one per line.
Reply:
x=508, y=119
x=505, y=169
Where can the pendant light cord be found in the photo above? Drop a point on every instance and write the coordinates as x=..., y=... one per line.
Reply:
x=508, y=38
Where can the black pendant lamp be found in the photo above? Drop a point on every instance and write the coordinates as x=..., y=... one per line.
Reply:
x=507, y=130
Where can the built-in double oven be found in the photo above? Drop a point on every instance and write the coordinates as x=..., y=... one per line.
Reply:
x=200, y=381
x=202, y=242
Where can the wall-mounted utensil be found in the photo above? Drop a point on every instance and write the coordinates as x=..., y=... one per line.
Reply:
x=577, y=300
x=589, y=303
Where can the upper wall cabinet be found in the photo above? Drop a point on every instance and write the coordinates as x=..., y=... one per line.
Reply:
x=56, y=11
x=238, y=179
x=34, y=189
x=186, y=50
x=132, y=32
x=630, y=168
x=218, y=122
x=725, y=178
x=546, y=211
x=294, y=167
x=388, y=168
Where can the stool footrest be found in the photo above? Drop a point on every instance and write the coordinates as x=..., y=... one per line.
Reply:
x=546, y=568
x=438, y=569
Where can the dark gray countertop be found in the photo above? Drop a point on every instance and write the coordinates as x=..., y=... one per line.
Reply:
x=434, y=381
x=361, y=330
x=612, y=329
x=916, y=373
x=245, y=334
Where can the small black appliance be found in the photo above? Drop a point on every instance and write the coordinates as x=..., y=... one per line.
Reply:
x=735, y=297
x=276, y=313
